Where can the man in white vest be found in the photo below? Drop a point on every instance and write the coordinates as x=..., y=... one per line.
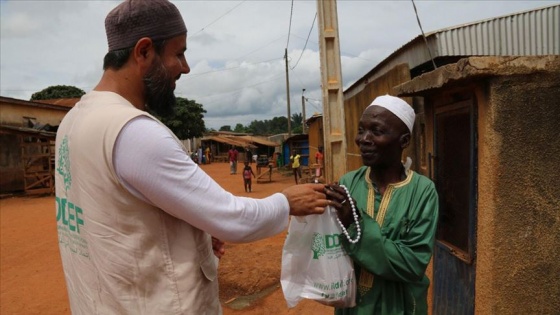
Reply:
x=140, y=225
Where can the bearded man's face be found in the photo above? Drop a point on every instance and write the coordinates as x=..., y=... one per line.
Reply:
x=159, y=88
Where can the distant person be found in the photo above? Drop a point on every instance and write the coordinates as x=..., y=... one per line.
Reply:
x=232, y=157
x=248, y=155
x=200, y=156
x=296, y=167
x=140, y=225
x=207, y=153
x=247, y=173
x=319, y=160
x=397, y=212
x=319, y=157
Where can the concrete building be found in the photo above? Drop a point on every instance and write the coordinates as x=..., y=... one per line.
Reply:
x=491, y=145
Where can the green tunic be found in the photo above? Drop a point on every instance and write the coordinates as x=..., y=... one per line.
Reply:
x=397, y=252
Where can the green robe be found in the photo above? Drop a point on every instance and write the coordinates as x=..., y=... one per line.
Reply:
x=397, y=252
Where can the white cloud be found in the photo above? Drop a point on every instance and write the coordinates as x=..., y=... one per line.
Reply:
x=236, y=58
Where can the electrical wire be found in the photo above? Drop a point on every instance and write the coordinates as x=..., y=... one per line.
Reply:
x=272, y=79
x=231, y=68
x=290, y=26
x=247, y=54
x=304, y=46
x=342, y=51
x=216, y=20
x=423, y=35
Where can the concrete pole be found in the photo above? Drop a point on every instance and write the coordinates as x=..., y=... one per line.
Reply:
x=331, y=85
x=303, y=127
x=288, y=94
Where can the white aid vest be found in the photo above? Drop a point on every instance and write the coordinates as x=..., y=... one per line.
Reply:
x=121, y=255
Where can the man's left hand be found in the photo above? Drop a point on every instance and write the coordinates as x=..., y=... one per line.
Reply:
x=218, y=247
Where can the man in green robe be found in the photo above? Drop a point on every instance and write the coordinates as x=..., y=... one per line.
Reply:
x=397, y=211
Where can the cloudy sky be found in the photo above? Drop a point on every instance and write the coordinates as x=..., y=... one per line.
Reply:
x=235, y=48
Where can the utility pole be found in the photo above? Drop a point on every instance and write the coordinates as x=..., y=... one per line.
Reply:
x=288, y=93
x=304, y=127
x=331, y=85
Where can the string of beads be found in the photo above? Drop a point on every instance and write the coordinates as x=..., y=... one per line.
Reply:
x=355, y=214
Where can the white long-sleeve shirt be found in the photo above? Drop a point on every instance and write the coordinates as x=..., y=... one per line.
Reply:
x=153, y=167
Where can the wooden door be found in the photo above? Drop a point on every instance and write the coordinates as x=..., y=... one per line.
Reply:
x=455, y=177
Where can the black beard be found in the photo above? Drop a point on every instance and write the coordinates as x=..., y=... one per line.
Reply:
x=160, y=99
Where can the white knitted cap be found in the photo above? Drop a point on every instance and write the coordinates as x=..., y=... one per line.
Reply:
x=398, y=107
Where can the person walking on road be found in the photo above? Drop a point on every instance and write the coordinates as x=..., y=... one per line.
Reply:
x=247, y=173
x=232, y=157
x=296, y=167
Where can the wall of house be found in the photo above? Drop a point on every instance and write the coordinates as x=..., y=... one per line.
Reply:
x=519, y=196
x=11, y=166
x=17, y=115
x=518, y=201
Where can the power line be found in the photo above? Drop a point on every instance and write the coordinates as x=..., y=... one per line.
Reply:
x=320, y=110
x=247, y=54
x=304, y=46
x=342, y=52
x=423, y=35
x=272, y=79
x=216, y=20
x=227, y=69
x=290, y=26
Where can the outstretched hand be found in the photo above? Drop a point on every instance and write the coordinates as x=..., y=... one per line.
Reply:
x=339, y=200
x=306, y=199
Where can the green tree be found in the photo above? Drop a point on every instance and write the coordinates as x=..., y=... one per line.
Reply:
x=188, y=120
x=278, y=125
x=225, y=128
x=257, y=127
x=239, y=128
x=57, y=91
x=297, y=123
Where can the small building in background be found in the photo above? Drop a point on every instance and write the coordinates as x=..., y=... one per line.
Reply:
x=27, y=134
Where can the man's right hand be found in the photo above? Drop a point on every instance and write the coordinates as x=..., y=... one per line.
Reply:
x=306, y=199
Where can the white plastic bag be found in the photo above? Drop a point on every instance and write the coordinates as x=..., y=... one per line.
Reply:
x=314, y=263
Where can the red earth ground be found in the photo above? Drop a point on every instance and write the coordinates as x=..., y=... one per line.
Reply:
x=32, y=282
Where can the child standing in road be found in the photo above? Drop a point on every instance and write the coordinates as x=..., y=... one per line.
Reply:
x=247, y=172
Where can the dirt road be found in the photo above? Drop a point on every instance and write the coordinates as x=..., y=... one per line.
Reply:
x=32, y=281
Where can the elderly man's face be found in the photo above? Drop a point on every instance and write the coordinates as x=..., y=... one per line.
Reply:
x=160, y=79
x=379, y=137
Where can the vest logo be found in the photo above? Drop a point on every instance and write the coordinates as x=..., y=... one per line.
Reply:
x=69, y=219
x=323, y=244
x=69, y=214
x=64, y=163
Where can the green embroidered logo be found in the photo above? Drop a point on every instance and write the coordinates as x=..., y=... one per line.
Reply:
x=64, y=163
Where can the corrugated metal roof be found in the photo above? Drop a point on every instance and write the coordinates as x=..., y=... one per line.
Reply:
x=529, y=33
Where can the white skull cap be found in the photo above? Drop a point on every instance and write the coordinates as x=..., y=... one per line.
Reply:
x=398, y=107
